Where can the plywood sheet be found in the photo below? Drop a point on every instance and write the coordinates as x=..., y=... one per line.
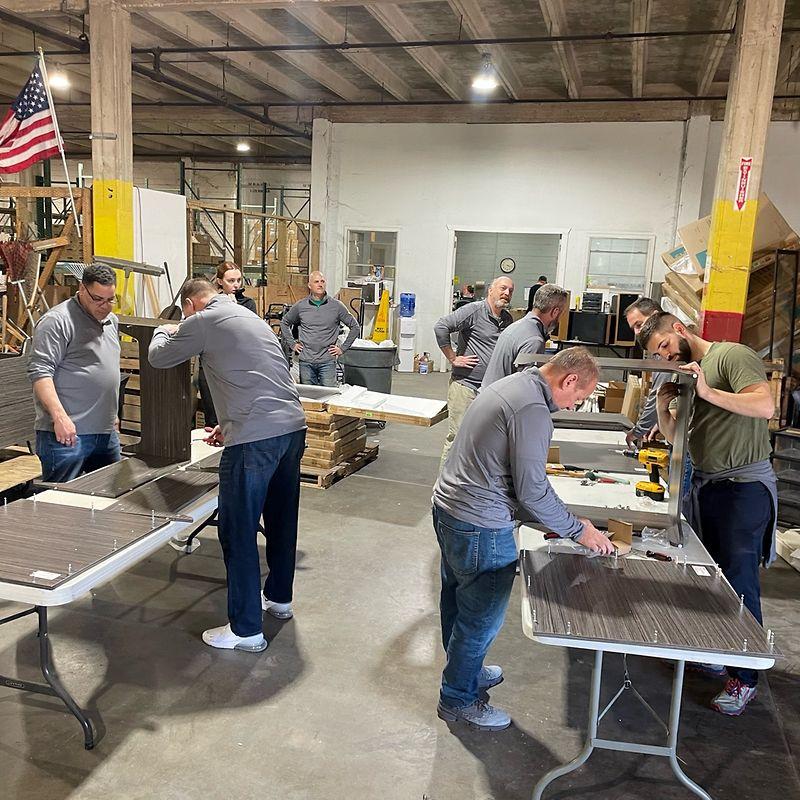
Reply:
x=116, y=479
x=17, y=413
x=168, y=495
x=43, y=544
x=639, y=602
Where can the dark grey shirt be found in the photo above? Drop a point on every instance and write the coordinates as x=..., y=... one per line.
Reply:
x=477, y=333
x=248, y=375
x=81, y=355
x=526, y=335
x=496, y=468
x=319, y=327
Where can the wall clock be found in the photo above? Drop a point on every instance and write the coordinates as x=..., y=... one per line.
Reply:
x=507, y=265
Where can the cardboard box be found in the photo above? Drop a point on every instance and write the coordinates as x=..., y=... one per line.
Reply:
x=632, y=398
x=615, y=394
x=348, y=293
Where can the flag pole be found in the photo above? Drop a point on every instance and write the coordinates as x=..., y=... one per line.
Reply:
x=43, y=69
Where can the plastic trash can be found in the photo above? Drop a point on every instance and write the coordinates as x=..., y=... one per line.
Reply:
x=370, y=367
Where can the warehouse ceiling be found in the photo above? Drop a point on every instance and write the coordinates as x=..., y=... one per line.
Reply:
x=209, y=74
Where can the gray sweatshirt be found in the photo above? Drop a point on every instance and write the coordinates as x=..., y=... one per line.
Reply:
x=648, y=416
x=526, y=335
x=247, y=373
x=319, y=327
x=496, y=468
x=477, y=333
x=81, y=355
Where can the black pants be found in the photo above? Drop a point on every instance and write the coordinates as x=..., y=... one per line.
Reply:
x=735, y=518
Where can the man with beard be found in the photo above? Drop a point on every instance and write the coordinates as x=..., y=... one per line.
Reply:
x=478, y=325
x=733, y=500
x=527, y=335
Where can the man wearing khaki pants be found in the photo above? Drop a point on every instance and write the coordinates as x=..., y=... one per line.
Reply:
x=477, y=325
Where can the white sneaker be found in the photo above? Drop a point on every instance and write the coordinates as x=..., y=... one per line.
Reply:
x=225, y=639
x=733, y=699
x=277, y=610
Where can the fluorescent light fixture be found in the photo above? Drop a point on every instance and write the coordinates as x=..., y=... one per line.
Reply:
x=486, y=79
x=243, y=147
x=58, y=80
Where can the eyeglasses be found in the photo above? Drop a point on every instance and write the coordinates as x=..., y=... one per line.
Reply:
x=101, y=301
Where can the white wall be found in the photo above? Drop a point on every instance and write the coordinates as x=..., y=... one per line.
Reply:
x=781, y=176
x=426, y=181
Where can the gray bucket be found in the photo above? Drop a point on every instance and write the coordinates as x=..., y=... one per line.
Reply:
x=370, y=367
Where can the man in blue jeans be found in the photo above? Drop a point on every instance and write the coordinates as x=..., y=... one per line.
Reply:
x=318, y=318
x=74, y=369
x=494, y=472
x=262, y=426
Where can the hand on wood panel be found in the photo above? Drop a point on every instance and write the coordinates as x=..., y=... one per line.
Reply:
x=335, y=350
x=215, y=437
x=64, y=429
x=594, y=539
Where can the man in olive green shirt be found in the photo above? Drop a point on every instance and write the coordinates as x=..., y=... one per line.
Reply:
x=733, y=498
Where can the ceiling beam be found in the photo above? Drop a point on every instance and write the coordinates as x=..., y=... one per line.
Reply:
x=258, y=30
x=400, y=27
x=82, y=6
x=555, y=18
x=330, y=30
x=479, y=27
x=724, y=19
x=640, y=21
x=789, y=62
x=195, y=32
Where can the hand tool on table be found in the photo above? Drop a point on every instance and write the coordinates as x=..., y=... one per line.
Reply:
x=655, y=459
x=599, y=477
x=658, y=556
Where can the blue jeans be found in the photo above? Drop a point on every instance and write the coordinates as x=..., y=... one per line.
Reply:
x=734, y=518
x=478, y=567
x=259, y=479
x=61, y=463
x=322, y=374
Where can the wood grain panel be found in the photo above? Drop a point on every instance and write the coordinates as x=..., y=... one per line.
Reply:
x=638, y=602
x=61, y=540
x=17, y=413
x=166, y=399
x=167, y=496
x=116, y=479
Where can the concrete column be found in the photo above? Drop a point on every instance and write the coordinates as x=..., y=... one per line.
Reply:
x=112, y=137
x=733, y=215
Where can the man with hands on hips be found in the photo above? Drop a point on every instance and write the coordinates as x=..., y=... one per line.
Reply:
x=496, y=472
x=733, y=498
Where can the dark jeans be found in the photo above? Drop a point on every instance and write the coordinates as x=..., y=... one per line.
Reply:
x=209, y=413
x=322, y=374
x=259, y=479
x=478, y=566
x=61, y=463
x=734, y=518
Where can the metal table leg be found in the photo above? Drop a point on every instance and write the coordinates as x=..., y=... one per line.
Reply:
x=54, y=687
x=592, y=741
x=582, y=757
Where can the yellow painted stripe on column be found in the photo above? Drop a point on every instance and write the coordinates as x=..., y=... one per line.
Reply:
x=730, y=252
x=112, y=205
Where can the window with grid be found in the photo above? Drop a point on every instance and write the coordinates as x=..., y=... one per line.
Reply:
x=619, y=264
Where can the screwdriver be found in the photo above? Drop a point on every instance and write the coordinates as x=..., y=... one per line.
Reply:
x=658, y=556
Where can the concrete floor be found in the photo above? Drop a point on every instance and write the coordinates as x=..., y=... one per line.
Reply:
x=343, y=703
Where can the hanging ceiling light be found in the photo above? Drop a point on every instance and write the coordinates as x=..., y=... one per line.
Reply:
x=243, y=147
x=486, y=79
x=58, y=80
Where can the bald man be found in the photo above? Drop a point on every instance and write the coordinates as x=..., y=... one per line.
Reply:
x=477, y=325
x=319, y=319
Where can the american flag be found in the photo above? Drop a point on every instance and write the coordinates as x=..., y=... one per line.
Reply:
x=28, y=133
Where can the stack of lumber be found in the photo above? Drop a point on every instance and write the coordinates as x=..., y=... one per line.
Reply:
x=336, y=446
x=130, y=423
x=202, y=257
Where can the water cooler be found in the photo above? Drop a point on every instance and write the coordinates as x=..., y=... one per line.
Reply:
x=408, y=332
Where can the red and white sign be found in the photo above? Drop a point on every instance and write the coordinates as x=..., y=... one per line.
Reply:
x=745, y=166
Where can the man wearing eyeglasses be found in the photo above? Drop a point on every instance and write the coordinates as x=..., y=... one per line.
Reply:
x=74, y=369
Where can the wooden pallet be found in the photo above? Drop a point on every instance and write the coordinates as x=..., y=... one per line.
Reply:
x=316, y=478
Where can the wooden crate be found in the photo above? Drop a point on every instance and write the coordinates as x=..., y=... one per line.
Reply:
x=323, y=478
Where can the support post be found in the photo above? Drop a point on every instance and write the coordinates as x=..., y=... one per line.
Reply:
x=112, y=136
x=733, y=218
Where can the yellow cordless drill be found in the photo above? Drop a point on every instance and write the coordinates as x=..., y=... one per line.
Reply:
x=655, y=459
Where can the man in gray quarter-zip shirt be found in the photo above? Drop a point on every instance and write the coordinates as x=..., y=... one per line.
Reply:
x=527, y=335
x=496, y=472
x=74, y=369
x=319, y=319
x=478, y=325
x=262, y=426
